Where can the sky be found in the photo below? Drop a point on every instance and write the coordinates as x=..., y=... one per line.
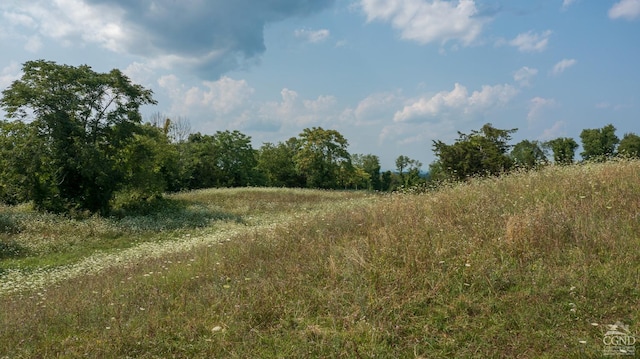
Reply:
x=390, y=76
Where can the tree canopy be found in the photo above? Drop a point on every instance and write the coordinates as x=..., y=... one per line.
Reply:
x=77, y=124
x=528, y=154
x=482, y=152
x=322, y=157
x=563, y=148
x=73, y=140
x=629, y=145
x=599, y=143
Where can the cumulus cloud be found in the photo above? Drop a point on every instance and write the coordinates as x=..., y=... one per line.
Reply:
x=427, y=21
x=372, y=109
x=209, y=36
x=537, y=105
x=312, y=36
x=456, y=101
x=625, y=9
x=524, y=75
x=555, y=131
x=292, y=111
x=9, y=74
x=531, y=42
x=70, y=22
x=563, y=65
x=216, y=98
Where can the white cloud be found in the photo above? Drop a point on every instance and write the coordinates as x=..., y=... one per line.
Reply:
x=491, y=96
x=563, y=65
x=524, y=75
x=33, y=44
x=625, y=9
x=209, y=37
x=456, y=101
x=567, y=3
x=292, y=111
x=17, y=19
x=373, y=109
x=537, y=105
x=100, y=24
x=312, y=36
x=555, y=131
x=9, y=74
x=428, y=21
x=214, y=97
x=322, y=103
x=141, y=73
x=531, y=42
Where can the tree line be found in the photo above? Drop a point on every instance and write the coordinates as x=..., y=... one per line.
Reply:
x=74, y=141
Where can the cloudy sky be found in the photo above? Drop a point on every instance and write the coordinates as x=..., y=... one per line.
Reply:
x=390, y=75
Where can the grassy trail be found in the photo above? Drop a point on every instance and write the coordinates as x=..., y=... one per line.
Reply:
x=17, y=280
x=530, y=265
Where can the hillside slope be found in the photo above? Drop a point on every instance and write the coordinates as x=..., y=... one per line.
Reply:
x=530, y=265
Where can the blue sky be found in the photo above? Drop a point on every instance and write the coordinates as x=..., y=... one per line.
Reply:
x=391, y=76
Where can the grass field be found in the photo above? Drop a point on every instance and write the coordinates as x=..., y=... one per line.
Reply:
x=530, y=265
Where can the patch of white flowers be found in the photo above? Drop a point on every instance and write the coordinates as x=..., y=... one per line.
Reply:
x=12, y=281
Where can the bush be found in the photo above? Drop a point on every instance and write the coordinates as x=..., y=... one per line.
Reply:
x=8, y=224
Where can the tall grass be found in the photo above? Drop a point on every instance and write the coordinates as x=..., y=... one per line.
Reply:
x=531, y=265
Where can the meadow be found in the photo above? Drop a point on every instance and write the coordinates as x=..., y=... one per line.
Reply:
x=529, y=265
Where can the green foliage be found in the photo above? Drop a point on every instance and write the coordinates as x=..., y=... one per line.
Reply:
x=528, y=154
x=277, y=163
x=386, y=181
x=225, y=159
x=367, y=170
x=80, y=122
x=8, y=224
x=563, y=149
x=599, y=143
x=630, y=145
x=408, y=170
x=323, y=159
x=234, y=158
x=480, y=153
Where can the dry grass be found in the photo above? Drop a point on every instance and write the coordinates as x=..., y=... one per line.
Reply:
x=530, y=265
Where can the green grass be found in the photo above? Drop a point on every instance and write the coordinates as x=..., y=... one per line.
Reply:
x=532, y=265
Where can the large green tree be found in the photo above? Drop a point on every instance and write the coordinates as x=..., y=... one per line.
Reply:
x=483, y=152
x=81, y=120
x=408, y=170
x=629, y=145
x=370, y=165
x=234, y=158
x=599, y=143
x=276, y=162
x=26, y=170
x=528, y=154
x=563, y=148
x=322, y=158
